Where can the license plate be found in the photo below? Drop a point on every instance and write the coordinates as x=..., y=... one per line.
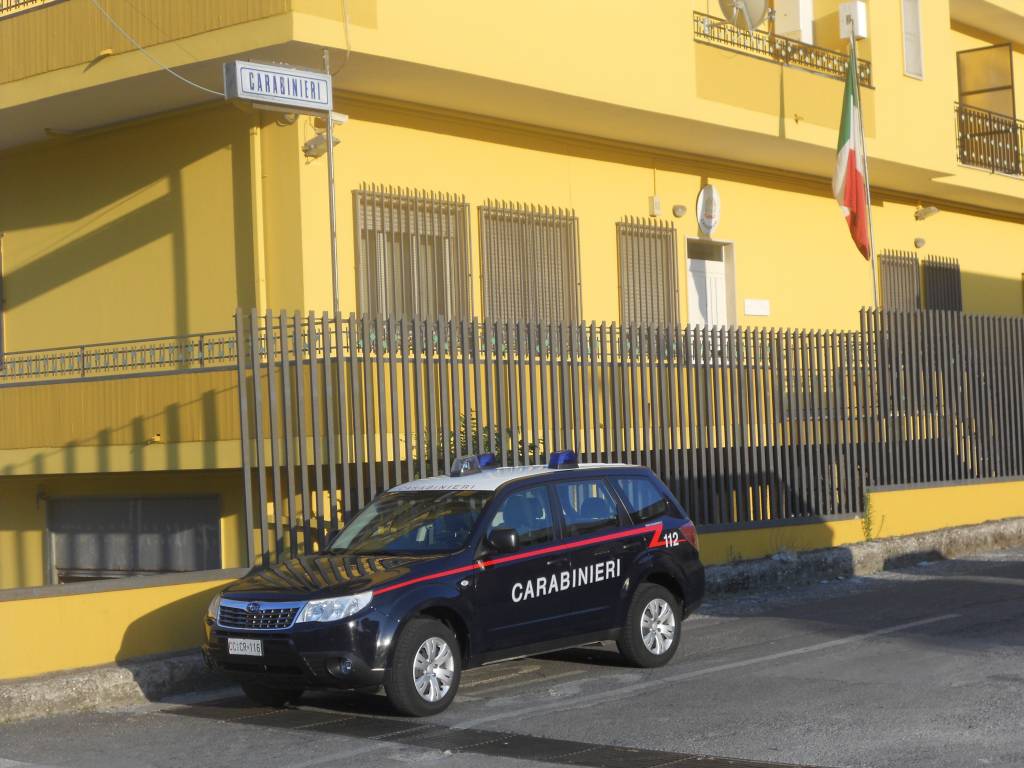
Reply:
x=243, y=646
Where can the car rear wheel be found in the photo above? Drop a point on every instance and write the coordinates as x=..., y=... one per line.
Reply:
x=650, y=637
x=271, y=697
x=425, y=669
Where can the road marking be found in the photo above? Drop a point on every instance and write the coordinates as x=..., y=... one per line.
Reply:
x=605, y=696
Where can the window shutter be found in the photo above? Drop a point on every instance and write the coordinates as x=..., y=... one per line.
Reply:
x=913, y=54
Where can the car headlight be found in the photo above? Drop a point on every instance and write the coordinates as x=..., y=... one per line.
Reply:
x=334, y=608
x=214, y=608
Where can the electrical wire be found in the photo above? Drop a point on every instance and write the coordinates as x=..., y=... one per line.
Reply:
x=141, y=49
x=348, y=40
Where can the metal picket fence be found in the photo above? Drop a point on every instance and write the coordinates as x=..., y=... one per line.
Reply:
x=748, y=426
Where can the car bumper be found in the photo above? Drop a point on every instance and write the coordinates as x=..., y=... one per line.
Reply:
x=349, y=654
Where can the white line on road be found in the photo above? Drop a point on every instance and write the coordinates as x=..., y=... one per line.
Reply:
x=627, y=690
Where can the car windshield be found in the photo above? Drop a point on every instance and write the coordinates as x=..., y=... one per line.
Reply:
x=413, y=523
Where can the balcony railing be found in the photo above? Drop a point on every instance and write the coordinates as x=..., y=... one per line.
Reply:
x=169, y=354
x=11, y=7
x=712, y=30
x=989, y=140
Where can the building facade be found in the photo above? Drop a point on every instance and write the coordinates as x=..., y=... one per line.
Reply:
x=537, y=162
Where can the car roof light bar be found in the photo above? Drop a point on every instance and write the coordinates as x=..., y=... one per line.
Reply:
x=471, y=465
x=563, y=460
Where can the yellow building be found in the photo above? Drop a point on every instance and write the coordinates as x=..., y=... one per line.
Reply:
x=535, y=160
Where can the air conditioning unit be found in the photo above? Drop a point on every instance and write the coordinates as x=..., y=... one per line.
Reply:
x=795, y=19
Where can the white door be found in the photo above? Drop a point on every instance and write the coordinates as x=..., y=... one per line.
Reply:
x=707, y=290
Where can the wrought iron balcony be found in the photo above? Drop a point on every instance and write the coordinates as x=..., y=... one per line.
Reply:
x=11, y=7
x=989, y=140
x=171, y=354
x=712, y=30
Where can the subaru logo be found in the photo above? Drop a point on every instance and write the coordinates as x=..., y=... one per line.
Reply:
x=253, y=607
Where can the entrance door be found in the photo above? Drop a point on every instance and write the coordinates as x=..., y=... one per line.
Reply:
x=707, y=283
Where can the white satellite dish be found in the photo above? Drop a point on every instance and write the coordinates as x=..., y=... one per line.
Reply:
x=745, y=14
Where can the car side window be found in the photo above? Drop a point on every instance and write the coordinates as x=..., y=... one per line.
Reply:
x=643, y=499
x=588, y=506
x=528, y=512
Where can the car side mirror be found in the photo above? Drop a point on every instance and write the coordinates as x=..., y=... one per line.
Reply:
x=503, y=540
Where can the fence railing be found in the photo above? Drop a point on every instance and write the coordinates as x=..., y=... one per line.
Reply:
x=168, y=354
x=989, y=140
x=748, y=426
x=760, y=44
x=11, y=7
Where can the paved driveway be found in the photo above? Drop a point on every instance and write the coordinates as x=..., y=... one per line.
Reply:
x=923, y=667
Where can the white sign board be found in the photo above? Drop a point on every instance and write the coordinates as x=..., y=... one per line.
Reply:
x=756, y=307
x=304, y=90
x=709, y=209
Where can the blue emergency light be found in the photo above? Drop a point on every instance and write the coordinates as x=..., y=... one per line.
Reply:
x=471, y=465
x=563, y=460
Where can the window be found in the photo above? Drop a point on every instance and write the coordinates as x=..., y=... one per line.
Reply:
x=527, y=512
x=94, y=538
x=648, y=273
x=644, y=499
x=587, y=506
x=413, y=254
x=913, y=53
x=530, y=260
x=413, y=522
x=942, y=288
x=899, y=274
x=710, y=278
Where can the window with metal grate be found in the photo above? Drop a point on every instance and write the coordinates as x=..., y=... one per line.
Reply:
x=648, y=273
x=942, y=284
x=412, y=253
x=530, y=259
x=899, y=274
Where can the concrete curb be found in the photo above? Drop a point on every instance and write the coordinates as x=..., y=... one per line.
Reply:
x=152, y=678
x=787, y=569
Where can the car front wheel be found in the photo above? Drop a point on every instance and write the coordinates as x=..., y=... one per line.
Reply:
x=425, y=669
x=651, y=634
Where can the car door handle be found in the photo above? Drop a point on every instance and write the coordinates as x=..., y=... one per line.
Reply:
x=603, y=552
x=558, y=561
x=632, y=546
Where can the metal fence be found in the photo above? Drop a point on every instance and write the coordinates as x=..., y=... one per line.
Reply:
x=989, y=140
x=168, y=354
x=11, y=7
x=748, y=426
x=760, y=44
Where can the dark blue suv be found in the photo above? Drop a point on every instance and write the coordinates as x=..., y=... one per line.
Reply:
x=446, y=573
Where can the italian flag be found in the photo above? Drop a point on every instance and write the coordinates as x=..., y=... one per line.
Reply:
x=849, y=184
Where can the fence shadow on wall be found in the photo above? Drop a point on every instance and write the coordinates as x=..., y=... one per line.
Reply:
x=748, y=426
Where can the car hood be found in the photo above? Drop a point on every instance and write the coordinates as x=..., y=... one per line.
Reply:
x=328, y=575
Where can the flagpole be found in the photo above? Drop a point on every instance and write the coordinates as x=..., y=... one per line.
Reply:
x=867, y=177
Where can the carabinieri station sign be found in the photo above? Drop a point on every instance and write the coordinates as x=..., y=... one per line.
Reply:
x=303, y=90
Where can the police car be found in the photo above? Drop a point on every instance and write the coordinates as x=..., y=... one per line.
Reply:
x=446, y=573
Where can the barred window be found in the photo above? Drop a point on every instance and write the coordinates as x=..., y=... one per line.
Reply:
x=942, y=288
x=530, y=257
x=648, y=273
x=899, y=273
x=412, y=253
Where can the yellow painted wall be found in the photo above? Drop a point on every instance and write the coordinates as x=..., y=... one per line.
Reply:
x=59, y=633
x=791, y=246
x=893, y=513
x=23, y=513
x=131, y=233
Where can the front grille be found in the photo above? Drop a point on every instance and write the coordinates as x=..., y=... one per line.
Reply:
x=234, y=617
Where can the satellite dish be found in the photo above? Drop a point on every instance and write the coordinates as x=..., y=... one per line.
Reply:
x=745, y=14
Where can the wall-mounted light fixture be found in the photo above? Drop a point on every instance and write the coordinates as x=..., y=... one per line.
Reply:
x=317, y=146
x=919, y=243
x=679, y=211
x=925, y=212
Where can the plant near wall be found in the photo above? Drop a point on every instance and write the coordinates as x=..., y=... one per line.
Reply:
x=867, y=518
x=463, y=442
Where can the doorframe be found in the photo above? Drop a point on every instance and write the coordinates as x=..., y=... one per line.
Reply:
x=729, y=257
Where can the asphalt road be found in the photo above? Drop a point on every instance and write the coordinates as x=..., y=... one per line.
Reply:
x=923, y=667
